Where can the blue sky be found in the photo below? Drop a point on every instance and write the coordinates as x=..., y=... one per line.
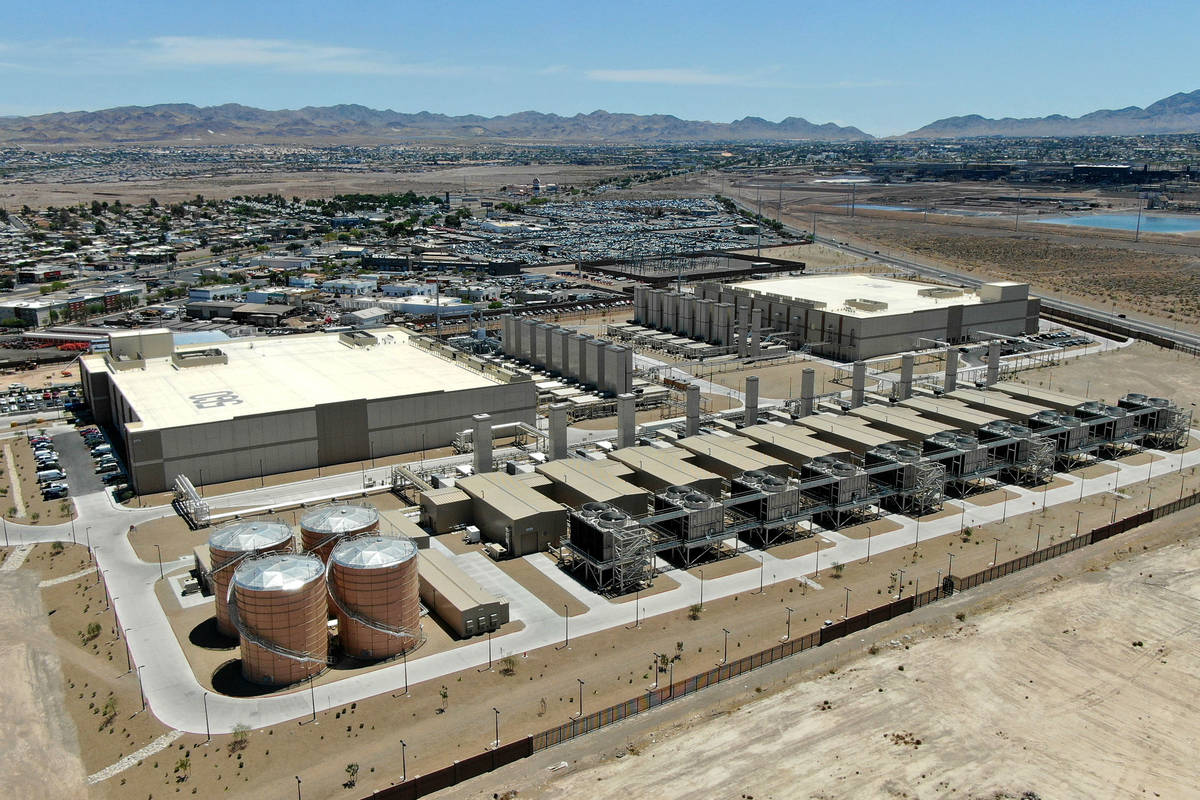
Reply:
x=886, y=67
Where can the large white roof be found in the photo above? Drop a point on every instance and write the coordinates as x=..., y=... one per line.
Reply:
x=267, y=375
x=901, y=297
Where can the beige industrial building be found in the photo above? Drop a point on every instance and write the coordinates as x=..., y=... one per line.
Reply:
x=262, y=406
x=457, y=600
x=657, y=468
x=849, y=317
x=511, y=513
x=575, y=482
x=728, y=455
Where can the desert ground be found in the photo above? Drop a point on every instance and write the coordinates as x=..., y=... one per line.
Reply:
x=1076, y=679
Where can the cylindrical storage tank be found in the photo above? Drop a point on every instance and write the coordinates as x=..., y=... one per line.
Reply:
x=321, y=527
x=373, y=580
x=234, y=541
x=280, y=612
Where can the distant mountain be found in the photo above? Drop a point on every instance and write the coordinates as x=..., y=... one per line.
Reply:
x=1179, y=113
x=232, y=123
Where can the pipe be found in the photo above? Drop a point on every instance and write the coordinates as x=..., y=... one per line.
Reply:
x=950, y=383
x=858, y=384
x=483, y=443
x=626, y=419
x=907, y=361
x=808, y=385
x=692, y=426
x=558, y=430
x=750, y=416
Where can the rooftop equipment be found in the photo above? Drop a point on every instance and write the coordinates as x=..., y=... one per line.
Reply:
x=611, y=547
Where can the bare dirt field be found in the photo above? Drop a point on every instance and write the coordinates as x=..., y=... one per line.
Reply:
x=1141, y=367
x=1079, y=687
x=475, y=178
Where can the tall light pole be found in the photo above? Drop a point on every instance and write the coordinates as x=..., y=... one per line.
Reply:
x=580, y=697
x=403, y=762
x=158, y=550
x=950, y=568
x=701, y=588
x=655, y=669
x=497, y=742
x=1037, y=545
x=788, y=634
x=868, y=561
x=996, y=552
x=725, y=657
x=298, y=797
x=847, y=614
x=207, y=729
x=901, y=594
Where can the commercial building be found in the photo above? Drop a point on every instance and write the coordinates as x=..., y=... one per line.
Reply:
x=62, y=306
x=259, y=406
x=848, y=317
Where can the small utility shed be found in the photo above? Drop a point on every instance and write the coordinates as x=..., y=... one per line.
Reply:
x=443, y=510
x=575, y=482
x=511, y=513
x=454, y=596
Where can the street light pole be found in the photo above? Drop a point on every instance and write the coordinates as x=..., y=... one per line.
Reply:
x=158, y=550
x=996, y=552
x=580, y=696
x=655, y=669
x=1037, y=545
x=207, y=729
x=901, y=593
x=725, y=657
x=950, y=568
x=298, y=797
x=847, y=614
x=788, y=634
x=701, y=588
x=313, y=695
x=497, y=742
x=868, y=561
x=403, y=762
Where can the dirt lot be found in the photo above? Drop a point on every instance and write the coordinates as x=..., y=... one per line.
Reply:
x=1141, y=367
x=1040, y=673
x=475, y=179
x=777, y=381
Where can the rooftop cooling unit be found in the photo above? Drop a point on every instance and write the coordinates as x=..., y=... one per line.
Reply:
x=779, y=497
x=703, y=516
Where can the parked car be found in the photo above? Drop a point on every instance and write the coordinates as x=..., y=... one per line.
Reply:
x=101, y=449
x=113, y=478
x=55, y=491
x=50, y=475
x=111, y=466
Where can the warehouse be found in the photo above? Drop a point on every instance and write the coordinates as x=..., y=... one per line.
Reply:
x=849, y=317
x=262, y=406
x=459, y=602
x=512, y=514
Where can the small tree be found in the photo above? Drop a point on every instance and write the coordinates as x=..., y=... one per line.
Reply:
x=694, y=612
x=352, y=773
x=444, y=693
x=182, y=767
x=508, y=666
x=241, y=737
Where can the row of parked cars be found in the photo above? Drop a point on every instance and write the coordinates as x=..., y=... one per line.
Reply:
x=51, y=476
x=102, y=453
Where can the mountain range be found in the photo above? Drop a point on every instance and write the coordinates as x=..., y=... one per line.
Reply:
x=1179, y=113
x=231, y=123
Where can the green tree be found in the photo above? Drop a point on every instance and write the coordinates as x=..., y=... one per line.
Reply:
x=352, y=772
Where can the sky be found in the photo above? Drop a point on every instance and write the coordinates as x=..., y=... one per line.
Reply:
x=885, y=67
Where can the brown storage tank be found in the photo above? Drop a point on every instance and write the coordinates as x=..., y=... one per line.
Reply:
x=231, y=543
x=375, y=593
x=321, y=527
x=277, y=603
